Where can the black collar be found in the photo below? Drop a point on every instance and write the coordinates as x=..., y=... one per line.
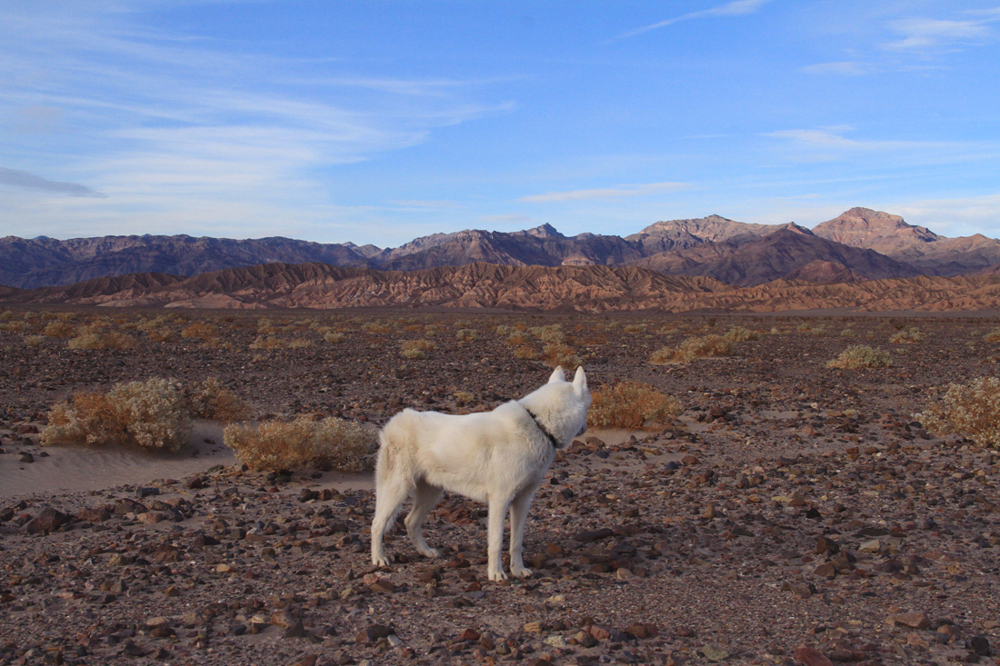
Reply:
x=545, y=431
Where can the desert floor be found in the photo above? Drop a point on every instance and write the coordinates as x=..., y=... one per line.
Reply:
x=791, y=514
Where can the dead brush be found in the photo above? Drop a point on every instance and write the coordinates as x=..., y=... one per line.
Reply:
x=908, y=336
x=201, y=330
x=631, y=406
x=60, y=329
x=150, y=415
x=97, y=340
x=971, y=410
x=416, y=349
x=273, y=445
x=212, y=401
x=559, y=353
x=861, y=356
x=706, y=346
x=992, y=336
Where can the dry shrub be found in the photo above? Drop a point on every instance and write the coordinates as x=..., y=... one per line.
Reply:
x=861, y=356
x=95, y=340
x=847, y=333
x=740, y=334
x=526, y=353
x=466, y=334
x=971, y=410
x=274, y=445
x=416, y=349
x=632, y=406
x=59, y=329
x=992, y=336
x=33, y=340
x=634, y=328
x=14, y=326
x=211, y=400
x=377, y=327
x=551, y=334
x=558, y=353
x=299, y=343
x=202, y=330
x=334, y=337
x=907, y=336
x=150, y=415
x=706, y=346
x=270, y=342
x=517, y=338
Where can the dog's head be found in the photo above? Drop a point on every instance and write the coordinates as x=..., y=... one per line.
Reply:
x=565, y=403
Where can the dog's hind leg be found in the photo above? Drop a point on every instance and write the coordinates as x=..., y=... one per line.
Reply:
x=497, y=510
x=424, y=500
x=390, y=494
x=518, y=517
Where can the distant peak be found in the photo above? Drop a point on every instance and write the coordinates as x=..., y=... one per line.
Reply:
x=791, y=226
x=543, y=231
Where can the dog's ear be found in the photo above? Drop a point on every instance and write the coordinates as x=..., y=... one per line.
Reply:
x=580, y=380
x=557, y=375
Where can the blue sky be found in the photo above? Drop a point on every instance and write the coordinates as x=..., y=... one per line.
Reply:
x=377, y=122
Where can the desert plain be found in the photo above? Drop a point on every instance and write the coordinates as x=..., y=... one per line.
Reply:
x=790, y=514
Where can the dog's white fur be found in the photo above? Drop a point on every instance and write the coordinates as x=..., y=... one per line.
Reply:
x=497, y=457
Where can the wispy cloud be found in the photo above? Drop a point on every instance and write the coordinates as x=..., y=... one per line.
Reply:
x=419, y=203
x=30, y=181
x=961, y=216
x=607, y=193
x=503, y=219
x=925, y=33
x=846, y=68
x=734, y=8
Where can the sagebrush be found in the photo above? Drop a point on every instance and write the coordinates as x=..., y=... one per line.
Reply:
x=150, y=415
x=706, y=346
x=971, y=410
x=274, y=445
x=631, y=405
x=861, y=356
x=213, y=401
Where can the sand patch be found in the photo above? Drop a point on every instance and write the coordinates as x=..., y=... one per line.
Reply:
x=81, y=468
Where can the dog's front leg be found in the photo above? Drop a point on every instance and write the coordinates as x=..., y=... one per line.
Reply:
x=518, y=517
x=497, y=509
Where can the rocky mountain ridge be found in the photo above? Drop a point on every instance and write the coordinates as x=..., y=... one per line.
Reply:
x=859, y=244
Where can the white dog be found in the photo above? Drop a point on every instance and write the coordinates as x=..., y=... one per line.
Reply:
x=497, y=457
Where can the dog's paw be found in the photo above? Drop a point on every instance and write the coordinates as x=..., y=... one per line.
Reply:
x=432, y=553
x=520, y=572
x=498, y=575
x=380, y=561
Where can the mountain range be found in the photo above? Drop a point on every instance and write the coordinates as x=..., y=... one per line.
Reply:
x=860, y=244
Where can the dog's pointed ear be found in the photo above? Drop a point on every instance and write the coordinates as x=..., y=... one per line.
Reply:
x=557, y=375
x=580, y=380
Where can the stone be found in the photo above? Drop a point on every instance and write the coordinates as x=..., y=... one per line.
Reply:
x=47, y=520
x=594, y=535
x=811, y=656
x=914, y=620
x=297, y=630
x=827, y=545
x=373, y=632
x=979, y=645
x=533, y=627
x=26, y=458
x=715, y=652
x=95, y=515
x=871, y=546
x=469, y=635
x=826, y=570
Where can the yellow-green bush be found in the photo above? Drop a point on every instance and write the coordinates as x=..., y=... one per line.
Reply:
x=706, y=346
x=150, y=415
x=907, y=336
x=861, y=356
x=275, y=445
x=631, y=405
x=971, y=410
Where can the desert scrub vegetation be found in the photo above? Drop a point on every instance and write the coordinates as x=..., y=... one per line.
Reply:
x=632, y=406
x=907, y=336
x=559, y=353
x=59, y=329
x=992, y=336
x=150, y=415
x=201, y=330
x=740, y=334
x=526, y=352
x=706, y=346
x=971, y=410
x=268, y=343
x=466, y=334
x=334, y=337
x=212, y=401
x=416, y=349
x=861, y=356
x=89, y=338
x=377, y=327
x=34, y=340
x=332, y=442
x=847, y=333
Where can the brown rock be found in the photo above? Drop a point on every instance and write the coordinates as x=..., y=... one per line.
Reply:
x=811, y=656
x=373, y=632
x=826, y=570
x=914, y=620
x=47, y=520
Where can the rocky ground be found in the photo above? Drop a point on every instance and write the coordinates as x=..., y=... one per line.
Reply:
x=792, y=514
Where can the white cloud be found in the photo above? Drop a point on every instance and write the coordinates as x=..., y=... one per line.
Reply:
x=607, y=193
x=734, y=8
x=503, y=219
x=924, y=33
x=30, y=181
x=962, y=216
x=847, y=68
